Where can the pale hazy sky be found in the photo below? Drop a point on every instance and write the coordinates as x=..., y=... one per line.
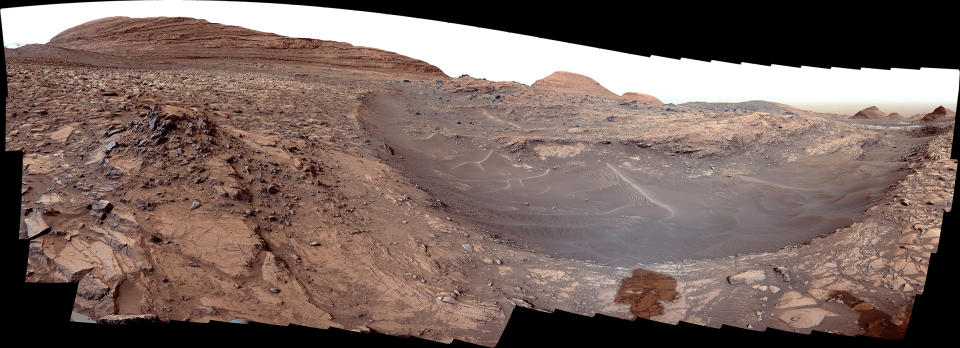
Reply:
x=501, y=56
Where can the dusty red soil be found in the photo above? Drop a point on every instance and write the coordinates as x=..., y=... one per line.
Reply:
x=185, y=170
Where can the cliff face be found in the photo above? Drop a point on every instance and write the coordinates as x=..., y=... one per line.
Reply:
x=189, y=38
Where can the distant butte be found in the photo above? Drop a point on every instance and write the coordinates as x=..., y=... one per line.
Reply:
x=871, y=113
x=571, y=83
x=938, y=114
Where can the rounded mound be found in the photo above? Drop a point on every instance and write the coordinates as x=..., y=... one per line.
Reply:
x=642, y=98
x=571, y=83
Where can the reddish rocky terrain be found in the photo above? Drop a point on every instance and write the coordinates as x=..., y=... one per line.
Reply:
x=185, y=170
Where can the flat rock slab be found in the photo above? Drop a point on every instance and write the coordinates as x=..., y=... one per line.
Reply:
x=805, y=318
x=62, y=134
x=747, y=277
x=794, y=299
x=223, y=241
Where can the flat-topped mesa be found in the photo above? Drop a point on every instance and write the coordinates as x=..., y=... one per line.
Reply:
x=160, y=38
x=938, y=114
x=570, y=83
x=641, y=98
x=871, y=113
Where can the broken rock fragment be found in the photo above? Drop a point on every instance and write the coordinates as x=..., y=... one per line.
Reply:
x=102, y=206
x=519, y=302
x=234, y=192
x=92, y=288
x=782, y=273
x=35, y=224
x=747, y=277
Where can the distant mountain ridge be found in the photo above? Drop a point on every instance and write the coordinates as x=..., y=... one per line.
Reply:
x=160, y=38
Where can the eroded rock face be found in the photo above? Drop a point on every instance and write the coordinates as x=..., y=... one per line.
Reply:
x=195, y=38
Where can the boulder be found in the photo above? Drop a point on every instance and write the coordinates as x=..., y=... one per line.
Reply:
x=747, y=277
x=36, y=224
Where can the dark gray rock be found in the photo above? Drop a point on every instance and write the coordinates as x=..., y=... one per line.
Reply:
x=102, y=206
x=782, y=273
x=92, y=288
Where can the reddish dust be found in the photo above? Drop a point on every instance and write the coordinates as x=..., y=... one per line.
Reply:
x=644, y=290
